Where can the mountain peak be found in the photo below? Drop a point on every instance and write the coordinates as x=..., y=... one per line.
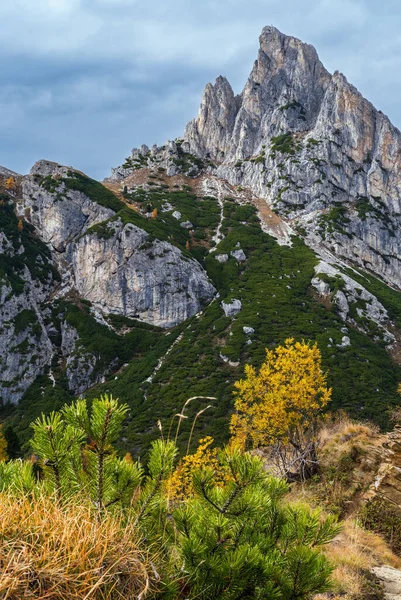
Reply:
x=287, y=72
x=305, y=141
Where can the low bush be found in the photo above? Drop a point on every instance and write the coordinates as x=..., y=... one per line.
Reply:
x=93, y=525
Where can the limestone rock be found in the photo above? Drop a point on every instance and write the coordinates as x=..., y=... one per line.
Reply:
x=4, y=172
x=352, y=293
x=248, y=330
x=387, y=484
x=345, y=342
x=116, y=268
x=231, y=308
x=239, y=255
x=187, y=225
x=390, y=579
x=80, y=365
x=317, y=151
x=124, y=274
x=25, y=347
x=59, y=216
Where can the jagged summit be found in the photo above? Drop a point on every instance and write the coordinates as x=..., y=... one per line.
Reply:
x=286, y=72
x=314, y=148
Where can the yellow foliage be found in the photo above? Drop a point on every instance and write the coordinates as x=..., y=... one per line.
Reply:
x=20, y=225
x=179, y=485
x=154, y=213
x=10, y=183
x=3, y=447
x=281, y=401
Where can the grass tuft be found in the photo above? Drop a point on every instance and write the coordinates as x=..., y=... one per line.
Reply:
x=58, y=552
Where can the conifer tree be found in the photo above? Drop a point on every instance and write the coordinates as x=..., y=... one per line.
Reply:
x=239, y=540
x=232, y=537
x=76, y=449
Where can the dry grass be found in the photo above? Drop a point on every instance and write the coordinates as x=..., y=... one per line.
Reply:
x=353, y=553
x=340, y=432
x=349, y=454
x=54, y=552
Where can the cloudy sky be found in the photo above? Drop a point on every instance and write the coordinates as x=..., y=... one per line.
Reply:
x=84, y=81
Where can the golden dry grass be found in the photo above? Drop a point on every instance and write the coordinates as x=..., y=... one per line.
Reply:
x=54, y=552
x=353, y=553
x=350, y=455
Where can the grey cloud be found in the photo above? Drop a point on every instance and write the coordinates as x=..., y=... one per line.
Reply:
x=82, y=81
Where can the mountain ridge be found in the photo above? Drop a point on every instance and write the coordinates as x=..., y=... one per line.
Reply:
x=263, y=222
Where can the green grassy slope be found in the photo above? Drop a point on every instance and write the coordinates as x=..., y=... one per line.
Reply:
x=274, y=286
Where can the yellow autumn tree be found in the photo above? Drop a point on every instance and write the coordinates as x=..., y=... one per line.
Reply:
x=279, y=405
x=154, y=213
x=20, y=225
x=3, y=446
x=10, y=183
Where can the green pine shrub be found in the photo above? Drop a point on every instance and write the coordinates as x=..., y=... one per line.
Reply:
x=227, y=540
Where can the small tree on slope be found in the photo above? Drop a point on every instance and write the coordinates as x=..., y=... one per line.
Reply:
x=279, y=406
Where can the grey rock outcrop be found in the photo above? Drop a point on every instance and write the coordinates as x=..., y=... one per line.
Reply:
x=4, y=172
x=312, y=147
x=80, y=364
x=173, y=158
x=25, y=348
x=58, y=214
x=390, y=579
x=221, y=258
x=231, y=308
x=352, y=300
x=239, y=255
x=248, y=330
x=126, y=274
x=26, y=281
x=120, y=269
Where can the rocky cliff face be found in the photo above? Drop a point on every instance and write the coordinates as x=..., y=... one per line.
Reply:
x=58, y=213
x=26, y=280
x=125, y=272
x=309, y=144
x=60, y=236
x=118, y=266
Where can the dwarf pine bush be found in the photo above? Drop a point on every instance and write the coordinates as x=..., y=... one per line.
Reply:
x=231, y=537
